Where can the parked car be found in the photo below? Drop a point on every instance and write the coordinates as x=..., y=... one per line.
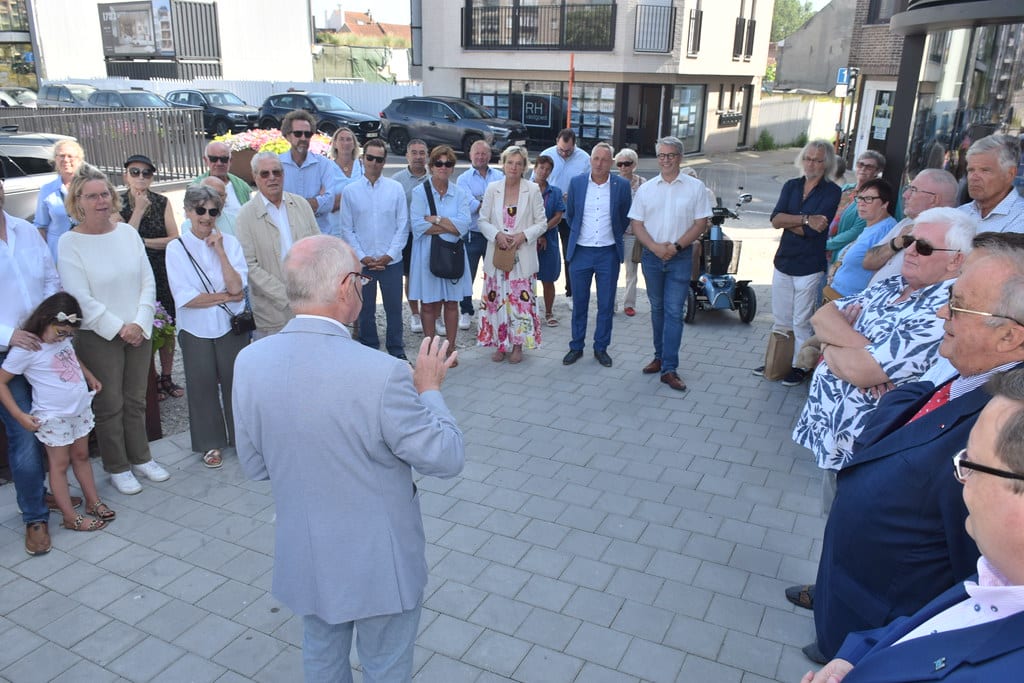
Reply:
x=330, y=112
x=68, y=95
x=23, y=97
x=131, y=98
x=447, y=121
x=26, y=167
x=223, y=111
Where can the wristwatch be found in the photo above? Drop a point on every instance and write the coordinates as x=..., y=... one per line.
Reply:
x=679, y=248
x=437, y=220
x=807, y=221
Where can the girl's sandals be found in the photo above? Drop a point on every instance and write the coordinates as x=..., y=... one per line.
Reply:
x=212, y=459
x=166, y=388
x=82, y=524
x=101, y=511
x=551, y=320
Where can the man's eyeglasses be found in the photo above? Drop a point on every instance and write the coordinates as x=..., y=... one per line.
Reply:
x=911, y=190
x=962, y=469
x=370, y=157
x=215, y=159
x=308, y=134
x=865, y=199
x=623, y=164
x=923, y=248
x=144, y=172
x=953, y=310
x=202, y=211
x=663, y=156
x=445, y=164
x=277, y=173
x=360, y=279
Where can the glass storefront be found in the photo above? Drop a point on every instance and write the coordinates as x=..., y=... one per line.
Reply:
x=688, y=107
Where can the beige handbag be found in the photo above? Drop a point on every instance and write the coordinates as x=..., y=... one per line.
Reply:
x=504, y=259
x=638, y=250
x=778, y=359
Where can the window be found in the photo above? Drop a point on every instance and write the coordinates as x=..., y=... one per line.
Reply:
x=693, y=39
x=688, y=116
x=738, y=38
x=880, y=11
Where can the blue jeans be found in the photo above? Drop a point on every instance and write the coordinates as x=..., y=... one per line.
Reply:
x=391, y=293
x=588, y=264
x=25, y=455
x=385, y=646
x=668, y=283
x=476, y=247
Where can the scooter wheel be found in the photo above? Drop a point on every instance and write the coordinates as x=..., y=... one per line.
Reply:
x=691, y=306
x=746, y=303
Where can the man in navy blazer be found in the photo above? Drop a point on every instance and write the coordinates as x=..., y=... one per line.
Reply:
x=337, y=428
x=895, y=536
x=971, y=632
x=598, y=213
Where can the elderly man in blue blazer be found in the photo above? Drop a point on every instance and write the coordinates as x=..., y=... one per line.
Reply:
x=972, y=632
x=598, y=214
x=895, y=536
x=337, y=427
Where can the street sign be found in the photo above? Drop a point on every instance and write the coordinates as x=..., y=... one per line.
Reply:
x=841, y=91
x=843, y=77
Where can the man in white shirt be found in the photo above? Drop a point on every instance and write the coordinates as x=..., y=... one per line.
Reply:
x=475, y=182
x=569, y=162
x=991, y=169
x=374, y=221
x=28, y=276
x=669, y=214
x=267, y=226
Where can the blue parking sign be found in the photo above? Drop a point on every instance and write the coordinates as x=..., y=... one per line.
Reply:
x=843, y=77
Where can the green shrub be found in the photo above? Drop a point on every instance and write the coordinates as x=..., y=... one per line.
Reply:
x=800, y=141
x=765, y=142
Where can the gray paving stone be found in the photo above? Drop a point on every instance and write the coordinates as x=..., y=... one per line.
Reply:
x=265, y=614
x=171, y=620
x=545, y=592
x=441, y=668
x=464, y=539
x=194, y=585
x=75, y=625
x=85, y=670
x=18, y=592
x=249, y=652
x=108, y=643
x=594, y=606
x=245, y=566
x=699, y=669
x=735, y=614
x=588, y=573
x=684, y=598
x=594, y=643
x=545, y=562
x=542, y=665
x=501, y=614
x=287, y=665
x=498, y=653
x=449, y=636
x=230, y=598
x=583, y=518
x=593, y=673
x=136, y=605
x=144, y=660
x=547, y=628
x=501, y=580
x=695, y=636
x=104, y=590
x=191, y=668
x=750, y=653
x=41, y=610
x=721, y=579
x=44, y=663
x=634, y=585
x=652, y=661
x=209, y=635
x=455, y=599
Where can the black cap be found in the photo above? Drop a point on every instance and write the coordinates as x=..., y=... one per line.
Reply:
x=140, y=159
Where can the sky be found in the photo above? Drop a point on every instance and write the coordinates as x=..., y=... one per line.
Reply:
x=387, y=11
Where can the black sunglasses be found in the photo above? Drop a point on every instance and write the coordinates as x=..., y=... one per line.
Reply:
x=218, y=159
x=923, y=248
x=303, y=133
x=202, y=211
x=370, y=157
x=145, y=173
x=277, y=173
x=445, y=164
x=620, y=164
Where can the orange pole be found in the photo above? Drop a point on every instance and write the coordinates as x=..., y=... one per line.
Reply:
x=572, y=80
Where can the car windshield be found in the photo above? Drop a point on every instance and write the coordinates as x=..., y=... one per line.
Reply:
x=224, y=97
x=468, y=110
x=81, y=92
x=23, y=96
x=142, y=99
x=329, y=102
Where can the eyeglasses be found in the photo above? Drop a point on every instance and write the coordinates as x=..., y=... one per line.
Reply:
x=445, y=164
x=864, y=199
x=145, y=173
x=623, y=164
x=961, y=463
x=363, y=280
x=911, y=190
x=308, y=134
x=956, y=309
x=215, y=159
x=202, y=211
x=668, y=155
x=815, y=161
x=277, y=173
x=370, y=157
x=869, y=167
x=923, y=248
x=93, y=196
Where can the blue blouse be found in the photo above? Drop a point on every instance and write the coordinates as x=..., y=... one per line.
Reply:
x=805, y=254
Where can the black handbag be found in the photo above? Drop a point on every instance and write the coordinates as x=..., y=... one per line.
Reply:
x=241, y=323
x=447, y=259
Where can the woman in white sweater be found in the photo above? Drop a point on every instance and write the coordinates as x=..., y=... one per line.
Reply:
x=103, y=264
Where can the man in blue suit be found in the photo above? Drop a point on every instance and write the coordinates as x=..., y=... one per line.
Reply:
x=971, y=632
x=598, y=213
x=895, y=536
x=337, y=428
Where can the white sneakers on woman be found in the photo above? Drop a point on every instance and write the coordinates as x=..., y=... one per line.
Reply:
x=126, y=483
x=152, y=470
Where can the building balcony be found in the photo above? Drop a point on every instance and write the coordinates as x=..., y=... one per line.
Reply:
x=557, y=26
x=654, y=30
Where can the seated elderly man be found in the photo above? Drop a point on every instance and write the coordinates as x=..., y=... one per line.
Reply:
x=895, y=535
x=972, y=632
x=885, y=336
x=991, y=169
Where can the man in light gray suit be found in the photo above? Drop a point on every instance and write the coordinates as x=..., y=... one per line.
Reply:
x=337, y=428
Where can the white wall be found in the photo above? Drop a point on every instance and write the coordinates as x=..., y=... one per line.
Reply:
x=68, y=37
x=786, y=116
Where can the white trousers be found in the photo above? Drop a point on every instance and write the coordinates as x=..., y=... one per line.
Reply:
x=794, y=298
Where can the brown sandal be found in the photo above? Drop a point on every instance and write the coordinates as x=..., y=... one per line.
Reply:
x=166, y=386
x=101, y=511
x=80, y=524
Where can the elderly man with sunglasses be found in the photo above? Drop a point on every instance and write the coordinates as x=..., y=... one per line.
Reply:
x=218, y=159
x=895, y=535
x=267, y=226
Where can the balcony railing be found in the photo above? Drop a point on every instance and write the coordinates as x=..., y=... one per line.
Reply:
x=539, y=27
x=655, y=28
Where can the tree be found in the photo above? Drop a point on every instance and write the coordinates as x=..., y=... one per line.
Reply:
x=789, y=15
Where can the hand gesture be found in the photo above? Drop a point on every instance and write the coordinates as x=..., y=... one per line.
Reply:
x=25, y=340
x=432, y=364
x=131, y=333
x=141, y=200
x=215, y=241
x=817, y=222
x=833, y=672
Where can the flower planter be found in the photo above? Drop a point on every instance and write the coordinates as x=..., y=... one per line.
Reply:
x=241, y=164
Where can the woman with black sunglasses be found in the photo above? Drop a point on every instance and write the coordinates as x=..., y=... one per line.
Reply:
x=151, y=214
x=207, y=273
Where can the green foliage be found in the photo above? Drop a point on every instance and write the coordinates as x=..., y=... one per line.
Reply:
x=769, y=74
x=765, y=142
x=800, y=141
x=789, y=15
x=331, y=38
x=586, y=26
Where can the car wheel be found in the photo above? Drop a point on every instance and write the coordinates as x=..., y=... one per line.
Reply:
x=267, y=123
x=220, y=127
x=399, y=140
x=468, y=142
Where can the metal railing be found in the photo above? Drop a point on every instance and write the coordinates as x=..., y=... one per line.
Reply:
x=172, y=138
x=655, y=28
x=693, y=38
x=533, y=27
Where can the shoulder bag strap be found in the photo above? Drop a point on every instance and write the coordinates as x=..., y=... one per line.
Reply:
x=430, y=196
x=204, y=278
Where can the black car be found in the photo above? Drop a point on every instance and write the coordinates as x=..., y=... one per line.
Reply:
x=330, y=112
x=66, y=95
x=132, y=98
x=447, y=121
x=25, y=158
x=223, y=111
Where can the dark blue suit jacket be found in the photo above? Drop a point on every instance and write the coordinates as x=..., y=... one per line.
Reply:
x=990, y=652
x=622, y=198
x=895, y=537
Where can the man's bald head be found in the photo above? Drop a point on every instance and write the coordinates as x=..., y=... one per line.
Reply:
x=314, y=270
x=217, y=185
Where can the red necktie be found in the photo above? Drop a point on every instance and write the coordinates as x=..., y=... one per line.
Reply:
x=938, y=399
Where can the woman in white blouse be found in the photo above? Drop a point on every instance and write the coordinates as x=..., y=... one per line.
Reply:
x=207, y=273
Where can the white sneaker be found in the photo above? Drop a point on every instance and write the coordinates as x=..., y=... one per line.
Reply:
x=440, y=329
x=464, y=321
x=152, y=470
x=568, y=301
x=417, y=324
x=126, y=483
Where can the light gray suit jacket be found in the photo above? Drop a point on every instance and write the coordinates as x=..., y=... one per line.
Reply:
x=337, y=428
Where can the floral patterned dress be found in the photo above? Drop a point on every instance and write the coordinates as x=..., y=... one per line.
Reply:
x=509, y=317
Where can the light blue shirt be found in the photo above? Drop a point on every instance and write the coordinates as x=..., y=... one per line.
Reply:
x=475, y=184
x=374, y=218
x=852, y=277
x=565, y=170
x=51, y=214
x=317, y=177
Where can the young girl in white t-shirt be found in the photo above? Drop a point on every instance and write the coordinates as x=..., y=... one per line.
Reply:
x=61, y=404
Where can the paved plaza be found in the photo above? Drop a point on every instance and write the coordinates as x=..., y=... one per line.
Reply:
x=605, y=528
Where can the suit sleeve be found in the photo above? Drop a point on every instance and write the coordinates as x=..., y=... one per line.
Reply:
x=487, y=227
x=570, y=203
x=249, y=456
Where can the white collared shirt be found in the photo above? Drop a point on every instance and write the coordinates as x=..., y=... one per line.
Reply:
x=27, y=273
x=596, y=227
x=1006, y=216
x=208, y=322
x=668, y=209
x=279, y=217
x=374, y=218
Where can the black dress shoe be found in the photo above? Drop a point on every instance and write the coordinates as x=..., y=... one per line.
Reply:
x=572, y=357
x=603, y=358
x=400, y=356
x=813, y=653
